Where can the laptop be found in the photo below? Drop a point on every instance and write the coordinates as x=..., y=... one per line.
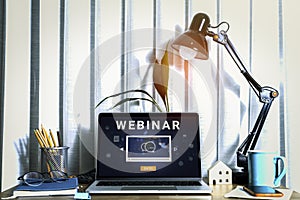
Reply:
x=148, y=153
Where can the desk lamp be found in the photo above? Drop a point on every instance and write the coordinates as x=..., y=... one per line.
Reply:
x=192, y=44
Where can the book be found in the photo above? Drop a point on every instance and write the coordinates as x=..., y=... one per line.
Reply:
x=68, y=187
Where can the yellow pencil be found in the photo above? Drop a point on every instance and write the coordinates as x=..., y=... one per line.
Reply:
x=47, y=137
x=53, y=138
x=42, y=138
x=38, y=138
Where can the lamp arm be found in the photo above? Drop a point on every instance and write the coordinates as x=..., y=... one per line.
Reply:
x=250, y=142
x=222, y=38
x=266, y=96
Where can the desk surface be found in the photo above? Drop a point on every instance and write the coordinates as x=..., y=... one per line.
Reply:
x=218, y=192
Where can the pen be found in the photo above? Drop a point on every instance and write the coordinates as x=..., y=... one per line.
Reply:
x=58, y=138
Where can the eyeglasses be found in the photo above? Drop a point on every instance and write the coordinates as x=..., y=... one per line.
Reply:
x=37, y=178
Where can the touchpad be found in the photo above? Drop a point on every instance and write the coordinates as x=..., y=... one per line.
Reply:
x=149, y=188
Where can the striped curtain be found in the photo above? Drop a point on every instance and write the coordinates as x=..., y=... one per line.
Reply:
x=59, y=58
x=2, y=76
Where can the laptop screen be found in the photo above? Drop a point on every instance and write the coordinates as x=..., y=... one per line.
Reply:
x=148, y=145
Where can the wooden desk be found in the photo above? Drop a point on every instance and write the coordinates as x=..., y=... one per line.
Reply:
x=218, y=192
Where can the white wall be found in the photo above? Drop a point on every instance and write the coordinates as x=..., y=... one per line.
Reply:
x=16, y=103
x=17, y=82
x=292, y=64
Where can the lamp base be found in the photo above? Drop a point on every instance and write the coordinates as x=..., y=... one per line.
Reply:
x=239, y=177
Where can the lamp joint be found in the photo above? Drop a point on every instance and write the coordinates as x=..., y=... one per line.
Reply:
x=220, y=38
x=267, y=94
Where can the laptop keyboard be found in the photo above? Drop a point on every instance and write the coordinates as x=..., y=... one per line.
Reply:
x=149, y=183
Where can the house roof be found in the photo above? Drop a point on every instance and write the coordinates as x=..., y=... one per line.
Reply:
x=219, y=163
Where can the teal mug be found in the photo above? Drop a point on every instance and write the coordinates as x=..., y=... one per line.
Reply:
x=264, y=168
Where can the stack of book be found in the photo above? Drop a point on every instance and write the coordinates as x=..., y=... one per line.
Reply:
x=67, y=187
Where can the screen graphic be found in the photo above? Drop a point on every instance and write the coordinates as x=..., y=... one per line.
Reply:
x=148, y=148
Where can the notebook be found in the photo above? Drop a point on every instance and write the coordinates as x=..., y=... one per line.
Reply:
x=67, y=187
x=148, y=153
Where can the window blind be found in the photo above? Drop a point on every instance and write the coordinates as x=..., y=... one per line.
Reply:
x=72, y=54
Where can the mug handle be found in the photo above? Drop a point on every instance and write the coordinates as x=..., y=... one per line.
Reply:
x=279, y=176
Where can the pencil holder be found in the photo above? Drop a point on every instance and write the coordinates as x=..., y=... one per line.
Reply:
x=54, y=158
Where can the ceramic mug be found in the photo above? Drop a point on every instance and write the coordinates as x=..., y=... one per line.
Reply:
x=264, y=168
